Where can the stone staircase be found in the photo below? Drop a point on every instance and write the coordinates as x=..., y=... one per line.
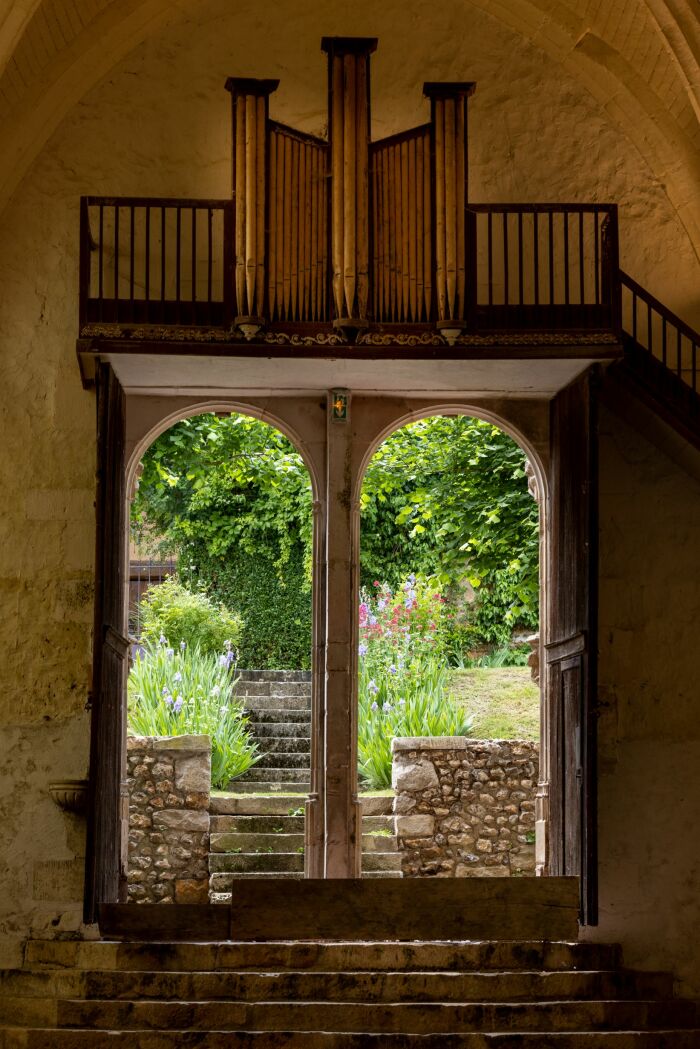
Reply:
x=262, y=836
x=278, y=703
x=499, y=994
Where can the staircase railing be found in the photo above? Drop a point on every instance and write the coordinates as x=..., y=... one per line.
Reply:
x=655, y=330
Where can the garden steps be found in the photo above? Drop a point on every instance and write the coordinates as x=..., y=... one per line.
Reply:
x=262, y=836
x=339, y=995
x=278, y=706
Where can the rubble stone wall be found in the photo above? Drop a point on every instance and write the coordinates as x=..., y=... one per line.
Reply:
x=465, y=808
x=169, y=781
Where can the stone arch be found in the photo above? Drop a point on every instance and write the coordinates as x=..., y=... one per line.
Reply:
x=539, y=466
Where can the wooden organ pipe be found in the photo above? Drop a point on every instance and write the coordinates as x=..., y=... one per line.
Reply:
x=349, y=129
x=250, y=104
x=449, y=148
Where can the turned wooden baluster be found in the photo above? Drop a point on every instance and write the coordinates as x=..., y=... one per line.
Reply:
x=449, y=148
x=250, y=103
x=349, y=128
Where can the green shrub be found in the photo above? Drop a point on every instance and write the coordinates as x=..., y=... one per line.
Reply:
x=403, y=676
x=174, y=611
x=183, y=691
x=274, y=600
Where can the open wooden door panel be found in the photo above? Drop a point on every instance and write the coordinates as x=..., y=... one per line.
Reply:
x=572, y=645
x=105, y=874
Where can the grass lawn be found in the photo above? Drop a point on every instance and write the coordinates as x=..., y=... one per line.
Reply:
x=504, y=702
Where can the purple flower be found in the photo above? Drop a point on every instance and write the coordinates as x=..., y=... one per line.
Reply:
x=362, y=650
x=162, y=640
x=170, y=652
x=392, y=669
x=373, y=687
x=177, y=676
x=375, y=706
x=168, y=701
x=381, y=604
x=372, y=620
x=177, y=705
x=222, y=661
x=183, y=646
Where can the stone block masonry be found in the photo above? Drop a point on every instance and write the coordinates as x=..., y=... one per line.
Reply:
x=465, y=808
x=169, y=781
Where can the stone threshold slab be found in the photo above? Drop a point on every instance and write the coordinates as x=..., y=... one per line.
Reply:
x=354, y=909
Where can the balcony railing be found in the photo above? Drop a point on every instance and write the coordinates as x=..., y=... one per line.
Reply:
x=523, y=267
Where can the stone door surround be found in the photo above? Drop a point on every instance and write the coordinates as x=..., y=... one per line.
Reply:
x=337, y=451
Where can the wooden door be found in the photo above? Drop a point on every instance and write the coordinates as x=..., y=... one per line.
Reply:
x=105, y=869
x=572, y=644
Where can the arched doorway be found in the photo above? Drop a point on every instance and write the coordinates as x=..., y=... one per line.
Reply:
x=559, y=438
x=449, y=617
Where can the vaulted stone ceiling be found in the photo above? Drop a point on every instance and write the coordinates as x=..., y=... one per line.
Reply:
x=640, y=59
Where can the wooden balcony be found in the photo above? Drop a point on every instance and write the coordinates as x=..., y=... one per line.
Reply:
x=160, y=269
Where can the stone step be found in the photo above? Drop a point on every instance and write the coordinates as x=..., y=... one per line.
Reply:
x=282, y=841
x=240, y=842
x=280, y=730
x=284, y=744
x=381, y=861
x=371, y=824
x=285, y=760
x=282, y=824
x=74, y=1038
x=273, y=716
x=252, y=704
x=227, y=862
x=223, y=882
x=255, y=692
x=262, y=804
x=400, y=1017
x=274, y=675
x=385, y=843
x=254, y=786
x=272, y=774
x=298, y=985
x=325, y=955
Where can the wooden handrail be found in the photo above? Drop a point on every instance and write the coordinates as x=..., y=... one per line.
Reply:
x=667, y=314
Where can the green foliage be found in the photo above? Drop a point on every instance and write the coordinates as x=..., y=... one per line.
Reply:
x=449, y=495
x=176, y=692
x=275, y=605
x=446, y=496
x=505, y=656
x=233, y=497
x=172, y=610
x=403, y=678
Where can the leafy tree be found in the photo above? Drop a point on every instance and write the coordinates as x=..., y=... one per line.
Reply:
x=444, y=496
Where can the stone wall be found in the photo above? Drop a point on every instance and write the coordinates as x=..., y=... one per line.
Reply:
x=169, y=779
x=465, y=808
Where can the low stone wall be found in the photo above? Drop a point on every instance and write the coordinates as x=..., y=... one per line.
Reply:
x=465, y=808
x=169, y=781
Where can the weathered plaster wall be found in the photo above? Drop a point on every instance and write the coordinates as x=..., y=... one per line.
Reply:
x=649, y=726
x=159, y=124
